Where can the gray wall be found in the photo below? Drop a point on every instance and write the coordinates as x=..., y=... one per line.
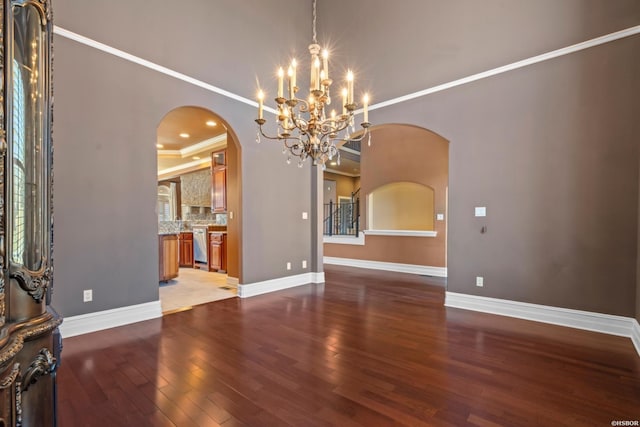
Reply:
x=549, y=149
x=106, y=114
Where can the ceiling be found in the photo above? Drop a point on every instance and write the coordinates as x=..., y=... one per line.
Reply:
x=182, y=154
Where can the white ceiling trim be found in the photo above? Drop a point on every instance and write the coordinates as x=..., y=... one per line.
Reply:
x=219, y=141
x=474, y=77
x=348, y=150
x=337, y=172
x=185, y=167
x=513, y=66
x=156, y=67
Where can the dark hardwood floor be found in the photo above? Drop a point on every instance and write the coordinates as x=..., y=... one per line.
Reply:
x=368, y=348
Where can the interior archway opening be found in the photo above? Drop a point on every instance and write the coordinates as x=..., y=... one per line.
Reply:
x=386, y=202
x=198, y=207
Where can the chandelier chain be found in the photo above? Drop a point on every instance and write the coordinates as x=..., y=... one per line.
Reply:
x=315, y=41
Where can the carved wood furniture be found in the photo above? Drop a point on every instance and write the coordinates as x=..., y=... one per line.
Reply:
x=29, y=340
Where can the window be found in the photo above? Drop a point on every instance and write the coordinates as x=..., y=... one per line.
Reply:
x=18, y=164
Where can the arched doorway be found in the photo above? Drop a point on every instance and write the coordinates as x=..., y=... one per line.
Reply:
x=400, y=230
x=199, y=201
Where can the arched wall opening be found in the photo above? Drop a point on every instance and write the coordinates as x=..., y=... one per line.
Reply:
x=189, y=143
x=414, y=161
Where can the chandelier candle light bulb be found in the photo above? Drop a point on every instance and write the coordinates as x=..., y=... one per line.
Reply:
x=260, y=104
x=280, y=83
x=291, y=87
x=349, y=87
x=365, y=107
x=294, y=66
x=344, y=101
x=318, y=74
x=325, y=63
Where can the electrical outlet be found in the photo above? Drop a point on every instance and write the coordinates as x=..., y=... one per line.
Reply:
x=87, y=295
x=288, y=266
x=304, y=263
x=480, y=281
x=305, y=215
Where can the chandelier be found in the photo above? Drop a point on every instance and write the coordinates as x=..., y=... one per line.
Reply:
x=305, y=126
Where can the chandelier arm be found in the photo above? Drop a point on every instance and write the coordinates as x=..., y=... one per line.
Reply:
x=301, y=124
x=343, y=124
x=286, y=141
x=267, y=136
x=358, y=139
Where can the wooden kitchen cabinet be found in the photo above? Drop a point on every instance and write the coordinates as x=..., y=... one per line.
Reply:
x=168, y=256
x=186, y=249
x=219, y=181
x=218, y=252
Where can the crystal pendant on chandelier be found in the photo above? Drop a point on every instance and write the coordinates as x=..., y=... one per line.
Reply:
x=305, y=126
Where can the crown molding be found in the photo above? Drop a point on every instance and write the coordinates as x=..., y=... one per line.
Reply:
x=337, y=172
x=628, y=32
x=153, y=66
x=348, y=150
x=184, y=168
x=214, y=143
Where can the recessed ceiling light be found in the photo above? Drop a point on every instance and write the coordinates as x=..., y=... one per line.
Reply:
x=159, y=146
x=333, y=163
x=184, y=135
x=211, y=123
x=196, y=158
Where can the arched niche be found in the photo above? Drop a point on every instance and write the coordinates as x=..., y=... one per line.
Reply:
x=401, y=206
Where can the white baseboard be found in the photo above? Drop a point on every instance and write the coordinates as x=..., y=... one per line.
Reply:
x=92, y=322
x=266, y=286
x=388, y=266
x=232, y=281
x=635, y=335
x=597, y=322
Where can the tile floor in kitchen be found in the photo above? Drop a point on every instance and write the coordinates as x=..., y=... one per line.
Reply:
x=193, y=287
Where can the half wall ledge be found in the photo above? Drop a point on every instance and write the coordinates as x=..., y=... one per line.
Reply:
x=407, y=233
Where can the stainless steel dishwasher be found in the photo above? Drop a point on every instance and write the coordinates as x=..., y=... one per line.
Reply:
x=200, y=249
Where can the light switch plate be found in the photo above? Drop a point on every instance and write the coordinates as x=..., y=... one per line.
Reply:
x=440, y=217
x=481, y=211
x=230, y=214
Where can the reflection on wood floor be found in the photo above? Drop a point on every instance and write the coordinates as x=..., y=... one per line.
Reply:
x=193, y=287
x=367, y=348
